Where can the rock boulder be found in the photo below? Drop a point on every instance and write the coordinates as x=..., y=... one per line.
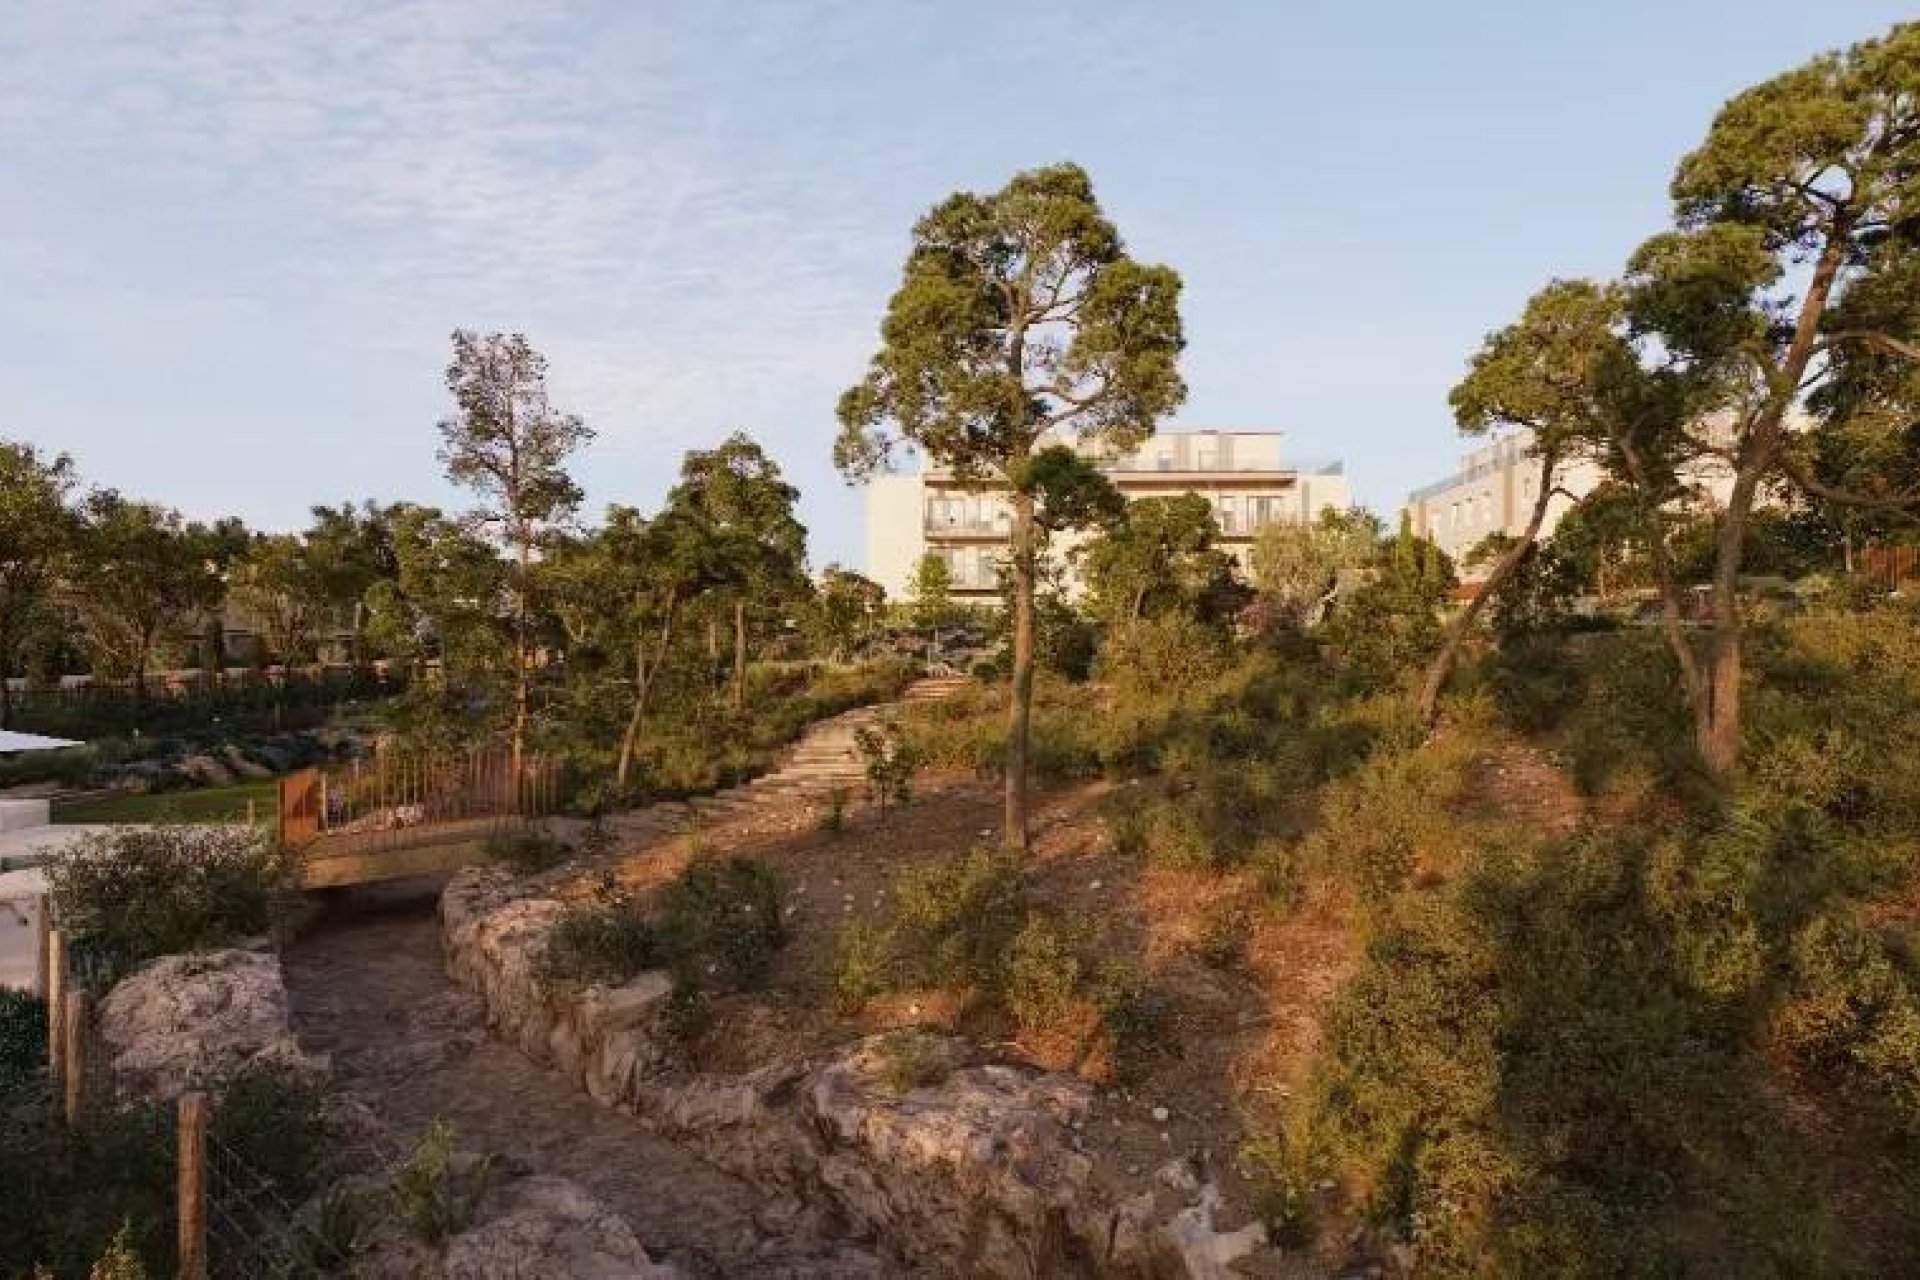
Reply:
x=183, y=1019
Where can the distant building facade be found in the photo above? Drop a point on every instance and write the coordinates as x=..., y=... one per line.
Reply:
x=1494, y=490
x=1242, y=473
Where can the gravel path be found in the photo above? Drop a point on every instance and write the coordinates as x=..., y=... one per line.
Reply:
x=368, y=990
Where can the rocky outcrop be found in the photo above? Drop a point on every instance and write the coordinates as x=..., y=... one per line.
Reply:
x=549, y=1227
x=974, y=1170
x=185, y=1019
x=527, y=1226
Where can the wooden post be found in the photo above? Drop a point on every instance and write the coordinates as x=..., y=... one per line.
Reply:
x=42, y=931
x=56, y=1001
x=76, y=1054
x=191, y=1187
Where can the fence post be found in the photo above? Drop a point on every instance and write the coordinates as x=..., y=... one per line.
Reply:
x=56, y=1002
x=191, y=1187
x=76, y=1029
x=42, y=939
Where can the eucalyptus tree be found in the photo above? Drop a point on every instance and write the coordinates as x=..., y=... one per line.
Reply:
x=1161, y=556
x=140, y=576
x=37, y=531
x=736, y=492
x=846, y=609
x=351, y=549
x=1019, y=318
x=281, y=586
x=443, y=601
x=1301, y=569
x=510, y=445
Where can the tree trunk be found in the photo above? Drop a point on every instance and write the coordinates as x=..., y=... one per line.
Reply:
x=1443, y=662
x=1020, y=701
x=7, y=643
x=522, y=655
x=643, y=673
x=1717, y=722
x=739, y=654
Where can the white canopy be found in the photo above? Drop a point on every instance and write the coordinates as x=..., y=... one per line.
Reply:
x=11, y=742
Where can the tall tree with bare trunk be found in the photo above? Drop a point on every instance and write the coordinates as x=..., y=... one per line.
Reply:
x=510, y=445
x=1019, y=317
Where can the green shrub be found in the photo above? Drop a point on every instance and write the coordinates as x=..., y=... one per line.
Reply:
x=912, y=1059
x=1378, y=823
x=1131, y=1014
x=1162, y=658
x=1226, y=927
x=333, y=1229
x=953, y=921
x=1126, y=818
x=685, y=1014
x=1041, y=977
x=137, y=893
x=599, y=942
x=890, y=760
x=833, y=818
x=120, y=1261
x=273, y=1118
x=435, y=1191
x=528, y=851
x=1177, y=836
x=862, y=956
x=1854, y=1013
x=23, y=1036
x=1282, y=1179
x=726, y=915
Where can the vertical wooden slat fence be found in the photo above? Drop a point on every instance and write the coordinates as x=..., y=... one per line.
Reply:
x=406, y=801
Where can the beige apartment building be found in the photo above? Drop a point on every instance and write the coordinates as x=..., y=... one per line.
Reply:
x=1494, y=490
x=1242, y=473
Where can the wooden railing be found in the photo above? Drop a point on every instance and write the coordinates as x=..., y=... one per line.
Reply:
x=402, y=800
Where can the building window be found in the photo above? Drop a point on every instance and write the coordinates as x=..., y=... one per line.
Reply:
x=1209, y=456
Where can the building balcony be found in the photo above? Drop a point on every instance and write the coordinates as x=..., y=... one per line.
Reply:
x=966, y=530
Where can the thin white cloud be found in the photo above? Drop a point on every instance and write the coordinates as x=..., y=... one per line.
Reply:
x=432, y=163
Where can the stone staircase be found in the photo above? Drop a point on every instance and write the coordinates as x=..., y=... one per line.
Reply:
x=824, y=760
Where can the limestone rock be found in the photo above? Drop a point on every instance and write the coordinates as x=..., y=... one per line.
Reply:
x=953, y=1170
x=543, y=1226
x=182, y=1019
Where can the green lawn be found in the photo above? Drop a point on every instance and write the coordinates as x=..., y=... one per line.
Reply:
x=205, y=804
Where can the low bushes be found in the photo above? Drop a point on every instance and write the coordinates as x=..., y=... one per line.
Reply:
x=702, y=745
x=602, y=942
x=529, y=851
x=967, y=926
x=718, y=923
x=71, y=1191
x=137, y=893
x=723, y=916
x=23, y=1036
x=435, y=1192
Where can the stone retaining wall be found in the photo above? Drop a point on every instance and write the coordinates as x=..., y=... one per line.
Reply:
x=983, y=1173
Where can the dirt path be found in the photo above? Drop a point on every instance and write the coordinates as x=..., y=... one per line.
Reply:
x=368, y=990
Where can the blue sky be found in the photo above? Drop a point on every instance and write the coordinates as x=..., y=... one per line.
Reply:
x=234, y=237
